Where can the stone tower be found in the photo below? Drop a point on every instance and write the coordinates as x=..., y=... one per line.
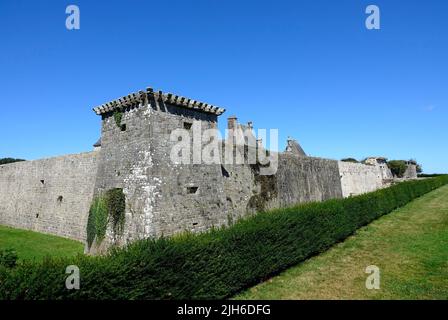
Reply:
x=162, y=197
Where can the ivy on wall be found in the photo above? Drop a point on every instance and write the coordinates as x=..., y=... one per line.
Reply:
x=97, y=222
x=116, y=203
x=105, y=208
x=118, y=116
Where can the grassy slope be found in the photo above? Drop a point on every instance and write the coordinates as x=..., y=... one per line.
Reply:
x=30, y=245
x=410, y=246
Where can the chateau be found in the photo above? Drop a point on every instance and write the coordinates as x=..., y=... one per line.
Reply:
x=162, y=197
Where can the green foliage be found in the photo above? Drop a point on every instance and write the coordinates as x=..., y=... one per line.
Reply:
x=97, y=221
x=105, y=208
x=116, y=204
x=8, y=258
x=350, y=160
x=118, y=115
x=432, y=175
x=215, y=264
x=398, y=167
x=9, y=160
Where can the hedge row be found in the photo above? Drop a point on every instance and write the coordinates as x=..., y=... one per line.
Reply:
x=212, y=265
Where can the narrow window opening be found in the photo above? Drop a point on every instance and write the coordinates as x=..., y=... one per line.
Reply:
x=42, y=181
x=192, y=190
x=37, y=215
x=60, y=198
x=224, y=172
x=123, y=127
x=187, y=125
x=195, y=223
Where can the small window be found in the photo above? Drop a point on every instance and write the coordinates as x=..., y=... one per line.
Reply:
x=224, y=172
x=42, y=181
x=37, y=215
x=60, y=198
x=192, y=190
x=195, y=223
x=123, y=127
x=187, y=125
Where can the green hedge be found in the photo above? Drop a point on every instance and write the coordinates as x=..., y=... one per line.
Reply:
x=216, y=264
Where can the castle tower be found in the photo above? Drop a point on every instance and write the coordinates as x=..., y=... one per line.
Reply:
x=162, y=197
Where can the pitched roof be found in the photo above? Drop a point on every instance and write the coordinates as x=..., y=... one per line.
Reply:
x=294, y=147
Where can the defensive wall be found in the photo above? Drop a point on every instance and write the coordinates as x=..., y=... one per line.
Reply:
x=163, y=197
x=49, y=195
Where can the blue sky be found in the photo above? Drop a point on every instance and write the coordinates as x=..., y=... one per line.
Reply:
x=309, y=68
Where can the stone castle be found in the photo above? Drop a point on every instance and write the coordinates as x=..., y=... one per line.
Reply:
x=161, y=197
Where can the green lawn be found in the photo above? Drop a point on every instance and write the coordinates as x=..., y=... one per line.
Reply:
x=34, y=245
x=410, y=246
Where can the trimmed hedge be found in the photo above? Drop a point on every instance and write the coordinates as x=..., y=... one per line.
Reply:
x=8, y=258
x=216, y=264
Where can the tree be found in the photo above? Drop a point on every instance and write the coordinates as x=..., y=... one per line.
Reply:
x=398, y=167
x=350, y=160
x=419, y=168
x=9, y=160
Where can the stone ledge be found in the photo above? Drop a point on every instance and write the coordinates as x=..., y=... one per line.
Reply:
x=142, y=97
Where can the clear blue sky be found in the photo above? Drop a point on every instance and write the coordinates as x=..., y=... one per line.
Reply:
x=309, y=68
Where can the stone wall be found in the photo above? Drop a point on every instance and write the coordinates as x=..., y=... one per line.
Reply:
x=358, y=178
x=411, y=172
x=162, y=198
x=165, y=198
x=306, y=179
x=297, y=180
x=49, y=195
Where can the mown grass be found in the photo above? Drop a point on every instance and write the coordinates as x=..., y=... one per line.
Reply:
x=31, y=245
x=410, y=246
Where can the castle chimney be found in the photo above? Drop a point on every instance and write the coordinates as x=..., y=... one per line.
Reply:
x=231, y=122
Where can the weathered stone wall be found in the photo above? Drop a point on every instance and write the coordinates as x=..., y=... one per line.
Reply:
x=386, y=173
x=162, y=198
x=49, y=195
x=411, y=172
x=191, y=196
x=358, y=178
x=165, y=198
x=297, y=180
x=306, y=179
